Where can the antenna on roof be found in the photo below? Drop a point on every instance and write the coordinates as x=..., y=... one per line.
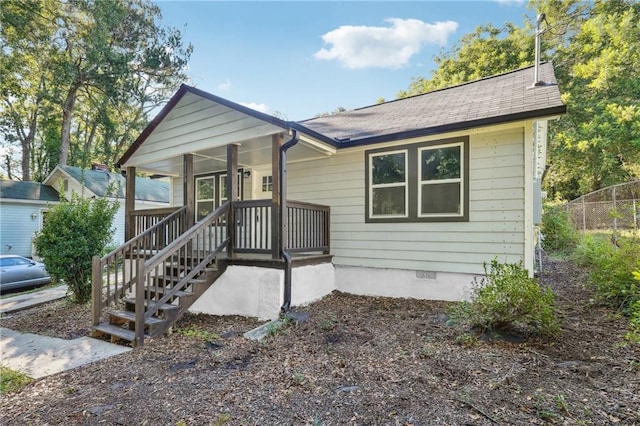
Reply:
x=536, y=67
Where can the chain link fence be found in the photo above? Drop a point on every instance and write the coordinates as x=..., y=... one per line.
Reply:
x=614, y=208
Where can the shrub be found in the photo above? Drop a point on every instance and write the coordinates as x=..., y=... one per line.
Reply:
x=74, y=232
x=508, y=299
x=557, y=228
x=611, y=269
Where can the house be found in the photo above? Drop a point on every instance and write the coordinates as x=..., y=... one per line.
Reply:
x=100, y=182
x=407, y=198
x=23, y=206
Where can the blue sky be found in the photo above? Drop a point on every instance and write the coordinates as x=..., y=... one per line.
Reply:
x=299, y=59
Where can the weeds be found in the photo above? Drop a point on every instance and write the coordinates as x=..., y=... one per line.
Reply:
x=12, y=381
x=328, y=321
x=198, y=333
x=558, y=230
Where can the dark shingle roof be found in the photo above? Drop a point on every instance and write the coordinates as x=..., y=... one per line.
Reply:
x=98, y=182
x=492, y=100
x=34, y=191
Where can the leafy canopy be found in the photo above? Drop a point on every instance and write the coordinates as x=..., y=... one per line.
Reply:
x=594, y=47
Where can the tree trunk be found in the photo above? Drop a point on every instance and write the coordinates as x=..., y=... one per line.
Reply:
x=67, y=114
x=26, y=158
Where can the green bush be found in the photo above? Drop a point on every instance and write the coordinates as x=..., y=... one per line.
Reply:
x=508, y=299
x=611, y=269
x=557, y=228
x=74, y=232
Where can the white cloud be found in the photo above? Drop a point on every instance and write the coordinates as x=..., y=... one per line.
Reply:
x=383, y=47
x=257, y=107
x=226, y=85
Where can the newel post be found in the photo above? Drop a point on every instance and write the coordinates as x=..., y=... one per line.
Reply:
x=232, y=188
x=96, y=289
x=129, y=203
x=139, y=311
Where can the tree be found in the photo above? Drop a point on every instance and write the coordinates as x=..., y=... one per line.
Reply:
x=89, y=69
x=486, y=51
x=595, y=50
x=74, y=232
x=599, y=73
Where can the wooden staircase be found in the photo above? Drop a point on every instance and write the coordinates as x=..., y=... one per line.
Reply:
x=143, y=287
x=119, y=324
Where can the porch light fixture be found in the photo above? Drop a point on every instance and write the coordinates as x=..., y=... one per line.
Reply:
x=34, y=215
x=247, y=173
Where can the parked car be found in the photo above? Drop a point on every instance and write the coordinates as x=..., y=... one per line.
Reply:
x=17, y=272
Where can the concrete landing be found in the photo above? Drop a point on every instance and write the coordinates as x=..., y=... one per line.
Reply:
x=39, y=356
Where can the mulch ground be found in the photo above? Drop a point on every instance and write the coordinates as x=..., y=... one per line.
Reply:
x=355, y=360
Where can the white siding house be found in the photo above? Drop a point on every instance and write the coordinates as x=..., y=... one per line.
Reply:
x=23, y=206
x=423, y=191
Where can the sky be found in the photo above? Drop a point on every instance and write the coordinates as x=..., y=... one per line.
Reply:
x=298, y=59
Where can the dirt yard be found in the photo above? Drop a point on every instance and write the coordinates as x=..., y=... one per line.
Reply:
x=355, y=360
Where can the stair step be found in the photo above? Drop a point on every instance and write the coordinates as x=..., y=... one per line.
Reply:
x=131, y=316
x=163, y=290
x=173, y=279
x=163, y=307
x=114, y=330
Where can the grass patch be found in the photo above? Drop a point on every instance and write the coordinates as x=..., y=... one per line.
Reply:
x=12, y=381
x=198, y=333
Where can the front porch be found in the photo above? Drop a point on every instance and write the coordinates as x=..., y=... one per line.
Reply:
x=173, y=256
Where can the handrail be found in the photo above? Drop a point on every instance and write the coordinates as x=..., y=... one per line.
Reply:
x=193, y=250
x=115, y=262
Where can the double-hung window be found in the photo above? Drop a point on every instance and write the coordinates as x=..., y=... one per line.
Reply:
x=418, y=183
x=388, y=189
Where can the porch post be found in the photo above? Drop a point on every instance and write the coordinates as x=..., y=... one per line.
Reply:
x=232, y=188
x=189, y=191
x=276, y=142
x=129, y=203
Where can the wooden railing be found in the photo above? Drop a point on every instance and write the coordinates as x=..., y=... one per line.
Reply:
x=254, y=232
x=112, y=275
x=141, y=220
x=192, y=251
x=308, y=227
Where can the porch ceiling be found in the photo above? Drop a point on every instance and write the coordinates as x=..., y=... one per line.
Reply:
x=204, y=127
x=251, y=153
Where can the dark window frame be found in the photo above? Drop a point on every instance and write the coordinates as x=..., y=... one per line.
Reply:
x=414, y=184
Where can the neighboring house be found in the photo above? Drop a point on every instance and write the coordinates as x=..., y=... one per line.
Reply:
x=100, y=182
x=23, y=206
x=422, y=191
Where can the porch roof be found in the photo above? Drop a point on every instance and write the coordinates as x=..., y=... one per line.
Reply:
x=199, y=123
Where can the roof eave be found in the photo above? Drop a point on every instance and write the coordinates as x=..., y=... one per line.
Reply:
x=464, y=125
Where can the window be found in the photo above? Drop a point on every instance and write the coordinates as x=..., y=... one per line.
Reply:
x=388, y=189
x=440, y=191
x=211, y=192
x=419, y=182
x=205, y=196
x=267, y=183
